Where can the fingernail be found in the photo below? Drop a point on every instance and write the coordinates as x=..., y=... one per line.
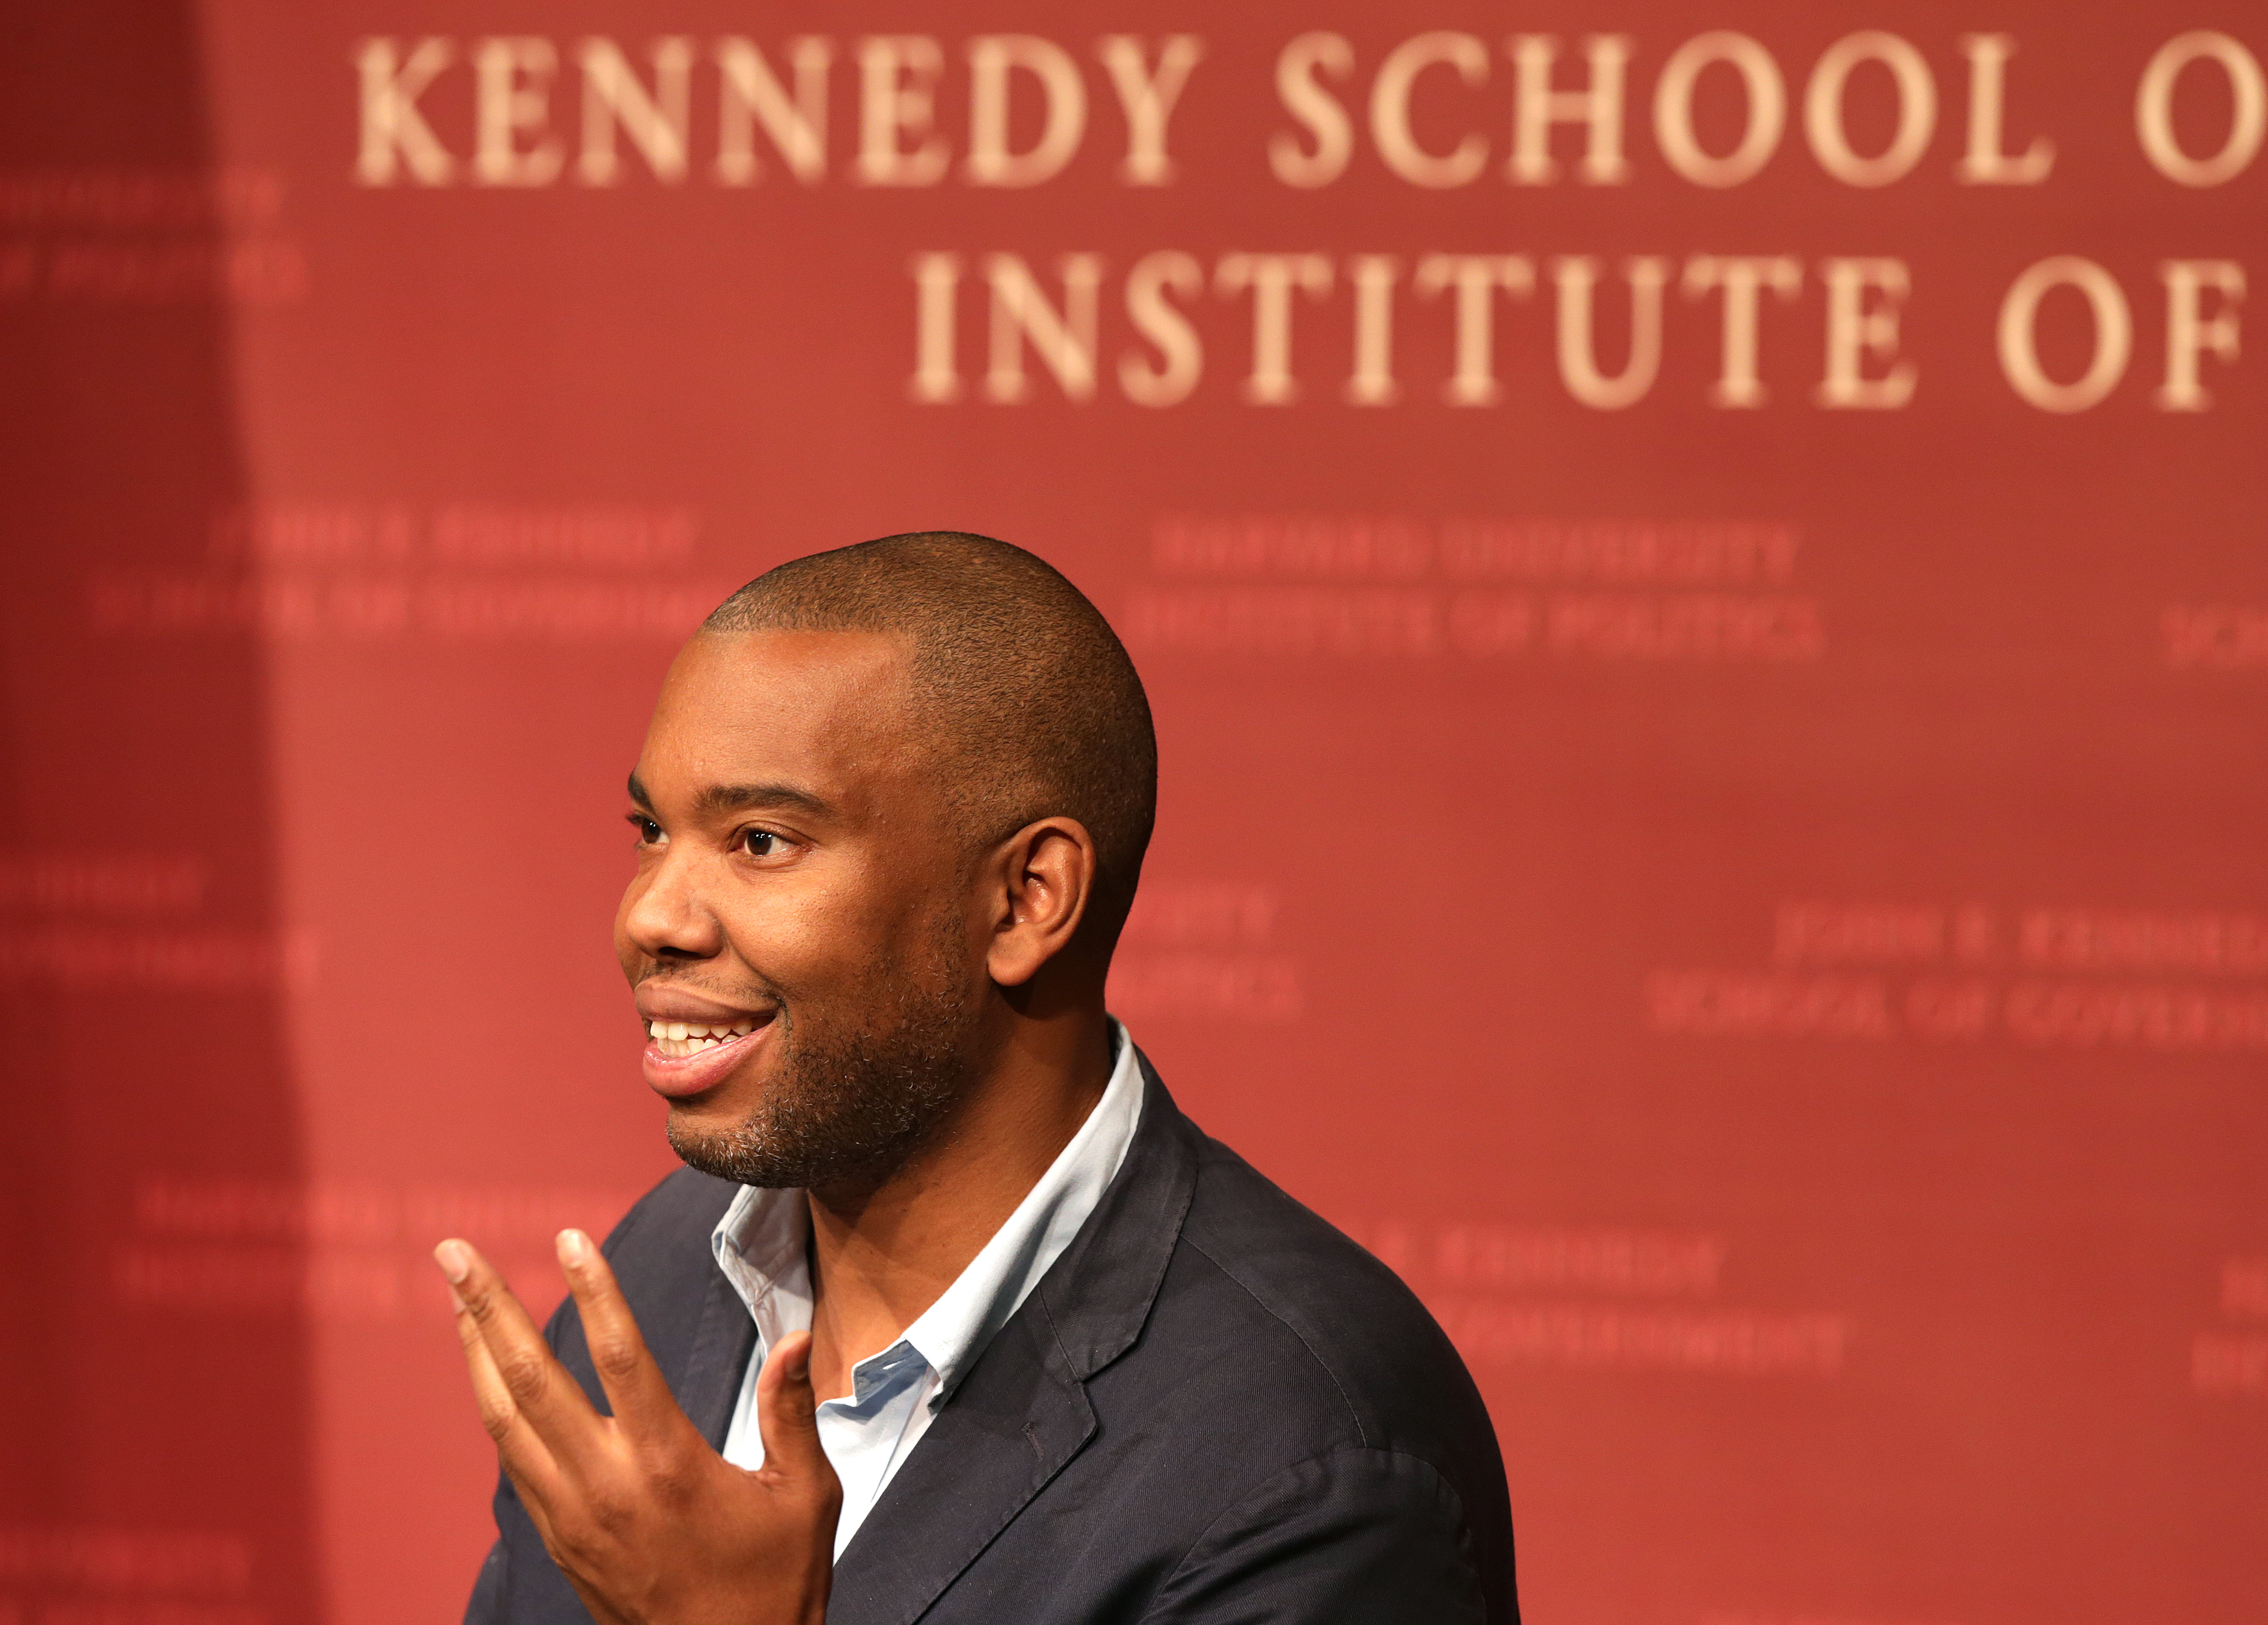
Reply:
x=456, y=1263
x=574, y=1248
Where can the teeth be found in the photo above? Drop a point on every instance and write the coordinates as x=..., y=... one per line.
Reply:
x=679, y=1039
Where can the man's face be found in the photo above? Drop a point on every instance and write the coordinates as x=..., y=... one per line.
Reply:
x=797, y=933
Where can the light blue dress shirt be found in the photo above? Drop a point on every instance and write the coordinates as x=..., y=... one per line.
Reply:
x=762, y=1244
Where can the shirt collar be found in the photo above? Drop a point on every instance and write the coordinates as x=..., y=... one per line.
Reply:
x=762, y=1243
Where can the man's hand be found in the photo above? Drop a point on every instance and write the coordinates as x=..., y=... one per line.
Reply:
x=651, y=1526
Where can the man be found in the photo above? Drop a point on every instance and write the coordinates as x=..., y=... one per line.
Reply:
x=1079, y=1362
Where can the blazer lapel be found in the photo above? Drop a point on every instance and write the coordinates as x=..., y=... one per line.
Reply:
x=1013, y=1423
x=1022, y=1411
x=709, y=1386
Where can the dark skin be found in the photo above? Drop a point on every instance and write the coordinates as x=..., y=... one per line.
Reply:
x=793, y=835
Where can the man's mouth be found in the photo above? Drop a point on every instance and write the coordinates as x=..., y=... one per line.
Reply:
x=689, y=1051
x=680, y=1040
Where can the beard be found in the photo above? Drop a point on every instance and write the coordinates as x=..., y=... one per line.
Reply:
x=851, y=1105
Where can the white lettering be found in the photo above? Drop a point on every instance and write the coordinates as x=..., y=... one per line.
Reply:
x=1270, y=279
x=1148, y=98
x=1064, y=341
x=513, y=94
x=1673, y=109
x=2189, y=334
x=656, y=122
x=992, y=59
x=750, y=93
x=937, y=282
x=1389, y=109
x=1858, y=330
x=1823, y=109
x=2114, y=334
x=1739, y=277
x=1476, y=277
x=1373, y=276
x=1984, y=164
x=897, y=97
x=1180, y=356
x=395, y=134
x=1305, y=99
x=2153, y=108
x=1538, y=107
x=1577, y=274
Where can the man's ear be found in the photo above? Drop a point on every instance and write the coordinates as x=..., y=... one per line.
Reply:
x=1046, y=875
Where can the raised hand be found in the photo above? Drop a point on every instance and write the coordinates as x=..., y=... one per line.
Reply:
x=651, y=1526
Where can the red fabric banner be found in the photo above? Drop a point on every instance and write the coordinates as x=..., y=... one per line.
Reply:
x=1701, y=577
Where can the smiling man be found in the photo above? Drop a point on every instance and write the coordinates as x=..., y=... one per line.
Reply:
x=953, y=1315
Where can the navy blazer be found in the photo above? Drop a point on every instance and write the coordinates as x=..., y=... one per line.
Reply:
x=1212, y=1408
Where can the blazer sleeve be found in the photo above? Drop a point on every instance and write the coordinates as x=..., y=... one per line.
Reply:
x=1358, y=1537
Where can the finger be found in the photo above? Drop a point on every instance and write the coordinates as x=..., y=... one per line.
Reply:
x=524, y=1459
x=541, y=1392
x=787, y=1414
x=636, y=1390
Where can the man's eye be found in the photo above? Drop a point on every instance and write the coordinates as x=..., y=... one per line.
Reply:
x=649, y=832
x=760, y=843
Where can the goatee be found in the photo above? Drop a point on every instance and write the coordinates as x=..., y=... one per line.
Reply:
x=848, y=1107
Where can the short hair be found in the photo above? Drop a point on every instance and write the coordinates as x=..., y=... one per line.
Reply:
x=1042, y=712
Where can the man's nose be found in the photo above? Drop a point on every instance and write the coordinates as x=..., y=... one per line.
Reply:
x=668, y=916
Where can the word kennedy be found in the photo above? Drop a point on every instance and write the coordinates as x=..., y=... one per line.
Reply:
x=1080, y=1363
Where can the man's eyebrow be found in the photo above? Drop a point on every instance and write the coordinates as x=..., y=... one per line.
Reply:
x=740, y=797
x=723, y=798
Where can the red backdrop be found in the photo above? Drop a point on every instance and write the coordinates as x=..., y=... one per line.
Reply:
x=1702, y=580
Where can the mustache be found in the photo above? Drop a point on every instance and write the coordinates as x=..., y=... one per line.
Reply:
x=661, y=973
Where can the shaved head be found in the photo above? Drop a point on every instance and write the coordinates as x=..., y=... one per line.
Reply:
x=1019, y=683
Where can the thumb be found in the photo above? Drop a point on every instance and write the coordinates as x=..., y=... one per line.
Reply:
x=787, y=1412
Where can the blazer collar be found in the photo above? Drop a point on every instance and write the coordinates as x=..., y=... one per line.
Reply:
x=1022, y=1411
x=1098, y=1294
x=710, y=1387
